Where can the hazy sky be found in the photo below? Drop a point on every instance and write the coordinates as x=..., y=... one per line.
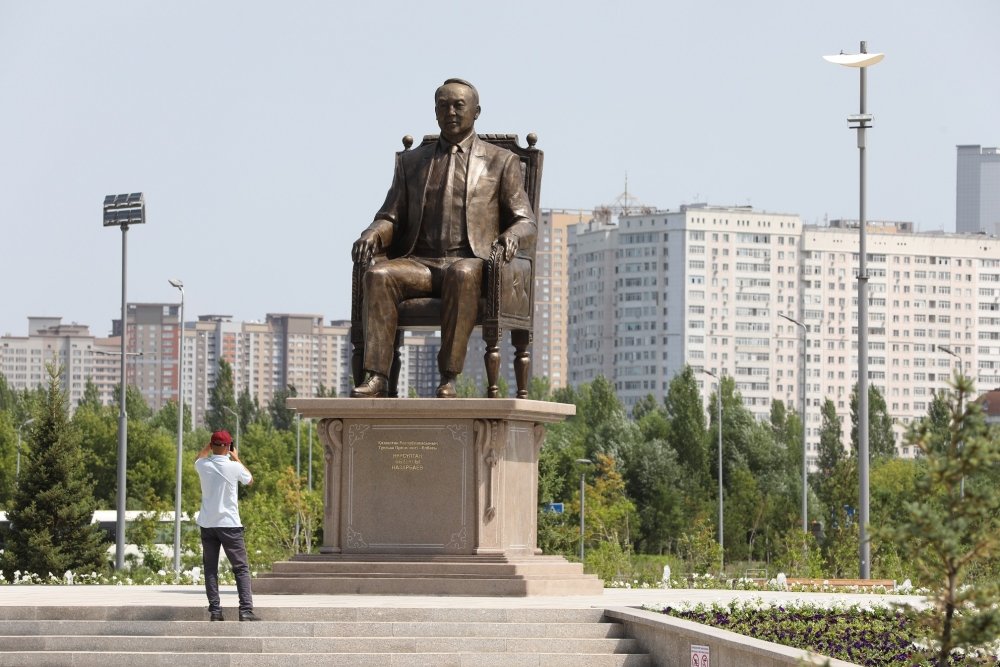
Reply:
x=262, y=133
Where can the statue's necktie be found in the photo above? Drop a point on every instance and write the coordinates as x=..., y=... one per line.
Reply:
x=448, y=205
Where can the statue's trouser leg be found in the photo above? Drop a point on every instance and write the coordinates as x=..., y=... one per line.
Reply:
x=461, y=288
x=386, y=285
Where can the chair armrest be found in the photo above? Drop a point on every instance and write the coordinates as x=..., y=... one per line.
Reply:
x=509, y=286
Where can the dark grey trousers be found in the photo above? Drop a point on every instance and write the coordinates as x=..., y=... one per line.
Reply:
x=231, y=541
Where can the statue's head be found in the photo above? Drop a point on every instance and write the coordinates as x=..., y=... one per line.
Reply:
x=456, y=105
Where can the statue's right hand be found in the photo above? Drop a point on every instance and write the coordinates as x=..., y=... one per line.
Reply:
x=365, y=247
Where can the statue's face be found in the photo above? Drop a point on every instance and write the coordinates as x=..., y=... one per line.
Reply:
x=457, y=109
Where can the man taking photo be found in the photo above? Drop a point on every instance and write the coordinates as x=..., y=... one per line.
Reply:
x=220, y=471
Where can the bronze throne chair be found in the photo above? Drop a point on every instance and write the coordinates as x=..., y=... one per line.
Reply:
x=507, y=302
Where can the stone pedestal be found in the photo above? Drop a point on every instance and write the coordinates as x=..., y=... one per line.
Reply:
x=418, y=489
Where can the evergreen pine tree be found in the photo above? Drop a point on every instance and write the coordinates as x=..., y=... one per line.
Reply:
x=50, y=518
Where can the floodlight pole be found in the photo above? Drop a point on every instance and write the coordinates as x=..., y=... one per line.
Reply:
x=180, y=431
x=805, y=469
x=122, y=211
x=861, y=122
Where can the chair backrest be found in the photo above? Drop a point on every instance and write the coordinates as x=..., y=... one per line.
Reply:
x=531, y=160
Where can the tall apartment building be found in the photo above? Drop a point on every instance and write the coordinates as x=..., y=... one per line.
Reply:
x=706, y=286
x=285, y=350
x=977, y=190
x=152, y=346
x=80, y=355
x=933, y=307
x=590, y=334
x=550, y=346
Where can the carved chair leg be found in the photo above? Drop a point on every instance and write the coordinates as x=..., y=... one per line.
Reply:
x=492, y=360
x=396, y=363
x=522, y=360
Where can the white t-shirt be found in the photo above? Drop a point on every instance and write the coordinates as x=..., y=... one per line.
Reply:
x=219, y=476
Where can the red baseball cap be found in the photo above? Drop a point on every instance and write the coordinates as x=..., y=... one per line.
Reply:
x=220, y=438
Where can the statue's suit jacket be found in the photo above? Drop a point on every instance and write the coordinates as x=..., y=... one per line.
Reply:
x=495, y=200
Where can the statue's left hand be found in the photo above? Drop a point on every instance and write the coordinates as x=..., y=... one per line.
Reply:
x=509, y=245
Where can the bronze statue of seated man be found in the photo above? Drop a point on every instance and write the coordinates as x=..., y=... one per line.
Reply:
x=451, y=202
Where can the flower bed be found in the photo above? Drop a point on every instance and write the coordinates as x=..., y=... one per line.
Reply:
x=136, y=577
x=877, y=635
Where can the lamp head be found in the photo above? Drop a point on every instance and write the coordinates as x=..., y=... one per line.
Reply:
x=176, y=283
x=855, y=59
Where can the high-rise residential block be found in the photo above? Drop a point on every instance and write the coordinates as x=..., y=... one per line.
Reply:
x=70, y=348
x=977, y=190
x=706, y=286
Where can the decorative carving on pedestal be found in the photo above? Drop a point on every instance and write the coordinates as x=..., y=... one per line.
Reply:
x=331, y=432
x=355, y=540
x=489, y=450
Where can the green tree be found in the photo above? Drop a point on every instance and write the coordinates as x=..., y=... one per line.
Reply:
x=282, y=418
x=466, y=387
x=951, y=526
x=221, y=399
x=166, y=418
x=152, y=462
x=831, y=439
x=881, y=441
x=609, y=513
x=8, y=456
x=539, y=389
x=51, y=529
x=699, y=547
x=247, y=408
x=96, y=427
x=687, y=433
x=644, y=406
x=91, y=395
x=654, y=482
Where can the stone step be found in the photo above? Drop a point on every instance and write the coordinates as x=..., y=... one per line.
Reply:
x=199, y=644
x=392, y=574
x=181, y=636
x=589, y=630
x=396, y=585
x=108, y=659
x=304, y=614
x=407, y=568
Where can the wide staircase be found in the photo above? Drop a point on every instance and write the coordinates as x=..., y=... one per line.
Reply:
x=178, y=636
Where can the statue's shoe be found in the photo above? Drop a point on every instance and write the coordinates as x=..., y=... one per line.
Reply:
x=447, y=388
x=377, y=386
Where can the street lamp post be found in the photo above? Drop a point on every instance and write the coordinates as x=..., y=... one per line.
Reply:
x=861, y=122
x=961, y=371
x=309, y=465
x=805, y=470
x=298, y=474
x=122, y=211
x=237, y=415
x=17, y=469
x=180, y=429
x=718, y=400
x=583, y=473
x=961, y=362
